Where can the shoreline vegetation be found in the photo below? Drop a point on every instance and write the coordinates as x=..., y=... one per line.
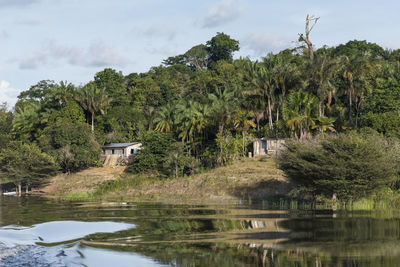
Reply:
x=247, y=179
x=196, y=115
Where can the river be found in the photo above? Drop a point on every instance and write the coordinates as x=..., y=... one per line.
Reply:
x=39, y=232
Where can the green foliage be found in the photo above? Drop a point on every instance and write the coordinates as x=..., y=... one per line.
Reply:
x=221, y=47
x=162, y=155
x=25, y=163
x=212, y=104
x=112, y=82
x=72, y=144
x=387, y=123
x=351, y=166
x=93, y=99
x=155, y=148
x=5, y=126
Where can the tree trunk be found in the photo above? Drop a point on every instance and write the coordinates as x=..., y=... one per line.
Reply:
x=92, y=122
x=19, y=189
x=321, y=110
x=271, y=126
x=350, y=107
x=334, y=202
x=220, y=131
x=26, y=189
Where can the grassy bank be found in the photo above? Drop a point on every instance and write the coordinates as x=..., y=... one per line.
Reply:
x=247, y=179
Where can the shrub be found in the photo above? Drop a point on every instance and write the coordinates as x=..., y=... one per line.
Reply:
x=351, y=166
x=156, y=146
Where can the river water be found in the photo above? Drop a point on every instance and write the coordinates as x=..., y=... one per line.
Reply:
x=39, y=232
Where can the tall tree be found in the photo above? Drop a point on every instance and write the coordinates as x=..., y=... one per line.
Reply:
x=93, y=99
x=221, y=47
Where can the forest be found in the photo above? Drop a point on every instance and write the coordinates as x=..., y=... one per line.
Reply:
x=201, y=109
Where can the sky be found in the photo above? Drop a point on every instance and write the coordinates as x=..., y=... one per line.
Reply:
x=72, y=40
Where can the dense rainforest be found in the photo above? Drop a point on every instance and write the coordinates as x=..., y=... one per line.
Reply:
x=201, y=109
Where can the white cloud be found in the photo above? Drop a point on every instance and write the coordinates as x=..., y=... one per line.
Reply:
x=160, y=31
x=263, y=43
x=97, y=54
x=223, y=12
x=8, y=94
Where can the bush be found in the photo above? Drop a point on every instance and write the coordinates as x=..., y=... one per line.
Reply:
x=161, y=155
x=72, y=144
x=152, y=156
x=351, y=166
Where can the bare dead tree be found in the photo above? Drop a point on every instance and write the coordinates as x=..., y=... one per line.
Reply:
x=310, y=23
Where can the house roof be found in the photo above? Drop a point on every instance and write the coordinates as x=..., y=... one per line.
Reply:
x=120, y=145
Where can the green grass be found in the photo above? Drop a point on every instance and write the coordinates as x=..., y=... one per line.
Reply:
x=76, y=197
x=125, y=182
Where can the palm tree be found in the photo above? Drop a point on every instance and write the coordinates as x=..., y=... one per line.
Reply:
x=244, y=123
x=323, y=69
x=285, y=75
x=192, y=118
x=93, y=100
x=223, y=105
x=325, y=124
x=165, y=118
x=357, y=72
x=26, y=118
x=262, y=88
x=63, y=91
x=300, y=113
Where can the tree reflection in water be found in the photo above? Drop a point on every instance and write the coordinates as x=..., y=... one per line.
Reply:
x=225, y=235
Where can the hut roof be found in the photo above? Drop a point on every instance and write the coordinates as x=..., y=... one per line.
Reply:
x=120, y=145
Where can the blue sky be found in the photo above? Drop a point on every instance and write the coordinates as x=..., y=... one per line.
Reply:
x=73, y=39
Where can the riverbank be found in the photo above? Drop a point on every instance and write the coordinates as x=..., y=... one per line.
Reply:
x=256, y=178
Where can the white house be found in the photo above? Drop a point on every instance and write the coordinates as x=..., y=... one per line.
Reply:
x=124, y=150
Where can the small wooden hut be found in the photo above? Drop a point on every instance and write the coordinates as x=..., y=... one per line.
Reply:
x=264, y=146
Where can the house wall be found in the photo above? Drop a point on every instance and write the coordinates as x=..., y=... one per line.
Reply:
x=126, y=152
x=264, y=146
x=136, y=147
x=117, y=151
x=257, y=148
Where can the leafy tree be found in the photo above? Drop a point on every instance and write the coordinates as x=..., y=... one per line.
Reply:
x=165, y=118
x=221, y=47
x=197, y=57
x=72, y=145
x=152, y=156
x=5, y=125
x=93, y=99
x=300, y=114
x=112, y=82
x=349, y=166
x=26, y=120
x=25, y=164
x=323, y=70
x=177, y=163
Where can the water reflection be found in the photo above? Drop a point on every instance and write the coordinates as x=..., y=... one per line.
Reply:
x=200, y=235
